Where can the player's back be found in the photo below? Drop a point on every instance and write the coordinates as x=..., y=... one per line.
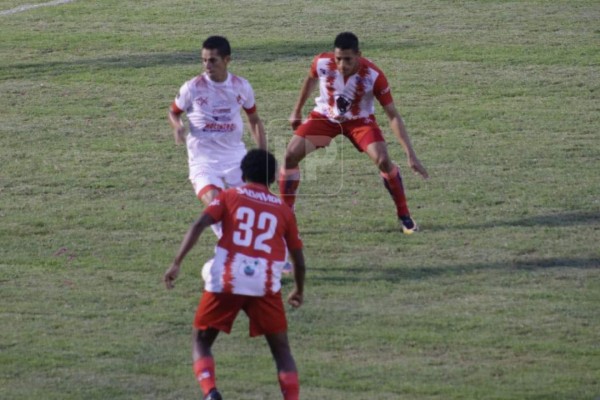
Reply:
x=256, y=223
x=258, y=229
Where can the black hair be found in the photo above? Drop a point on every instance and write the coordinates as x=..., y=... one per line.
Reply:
x=219, y=43
x=346, y=41
x=258, y=166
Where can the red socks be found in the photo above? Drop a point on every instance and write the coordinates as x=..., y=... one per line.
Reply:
x=204, y=369
x=290, y=388
x=393, y=183
x=289, y=180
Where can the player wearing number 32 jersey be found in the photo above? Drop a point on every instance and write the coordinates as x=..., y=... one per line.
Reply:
x=259, y=231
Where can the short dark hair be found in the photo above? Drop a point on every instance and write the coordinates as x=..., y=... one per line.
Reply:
x=219, y=43
x=346, y=41
x=259, y=166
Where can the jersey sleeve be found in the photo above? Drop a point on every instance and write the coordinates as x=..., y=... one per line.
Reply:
x=183, y=100
x=250, y=103
x=313, y=73
x=382, y=91
x=217, y=208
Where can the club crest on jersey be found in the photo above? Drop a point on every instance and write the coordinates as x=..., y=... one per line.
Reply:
x=203, y=101
x=328, y=73
x=342, y=104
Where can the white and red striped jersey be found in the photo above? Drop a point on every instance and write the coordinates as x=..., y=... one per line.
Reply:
x=346, y=98
x=258, y=231
x=216, y=126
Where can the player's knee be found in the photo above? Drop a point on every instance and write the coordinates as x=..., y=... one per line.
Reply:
x=384, y=163
x=208, y=196
x=292, y=159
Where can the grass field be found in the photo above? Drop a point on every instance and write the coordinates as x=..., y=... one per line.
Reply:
x=497, y=298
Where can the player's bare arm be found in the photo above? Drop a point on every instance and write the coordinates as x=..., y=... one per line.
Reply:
x=399, y=129
x=190, y=239
x=178, y=126
x=257, y=130
x=307, y=88
x=296, y=296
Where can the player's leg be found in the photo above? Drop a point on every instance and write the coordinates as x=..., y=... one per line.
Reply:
x=204, y=363
x=267, y=317
x=287, y=373
x=367, y=137
x=207, y=187
x=202, y=342
x=289, y=173
x=216, y=312
x=392, y=181
x=314, y=133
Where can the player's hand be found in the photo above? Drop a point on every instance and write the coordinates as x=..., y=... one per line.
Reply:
x=171, y=275
x=295, y=299
x=417, y=167
x=179, y=134
x=295, y=120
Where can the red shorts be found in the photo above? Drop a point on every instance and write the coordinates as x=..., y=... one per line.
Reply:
x=319, y=131
x=219, y=310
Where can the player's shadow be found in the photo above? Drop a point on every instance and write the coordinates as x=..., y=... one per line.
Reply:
x=357, y=274
x=264, y=52
x=400, y=273
x=558, y=220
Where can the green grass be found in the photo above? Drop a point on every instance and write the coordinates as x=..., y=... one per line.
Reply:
x=496, y=298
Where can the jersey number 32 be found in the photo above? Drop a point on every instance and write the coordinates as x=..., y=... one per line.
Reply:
x=248, y=225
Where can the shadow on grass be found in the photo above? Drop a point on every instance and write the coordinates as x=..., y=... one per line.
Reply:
x=261, y=53
x=558, y=220
x=399, y=274
x=56, y=68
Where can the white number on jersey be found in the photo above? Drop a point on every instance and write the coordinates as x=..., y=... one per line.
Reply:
x=244, y=234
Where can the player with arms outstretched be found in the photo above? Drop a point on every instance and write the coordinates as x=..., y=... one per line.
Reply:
x=245, y=273
x=348, y=85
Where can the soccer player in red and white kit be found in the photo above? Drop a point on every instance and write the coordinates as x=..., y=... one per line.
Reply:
x=245, y=273
x=348, y=84
x=212, y=103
